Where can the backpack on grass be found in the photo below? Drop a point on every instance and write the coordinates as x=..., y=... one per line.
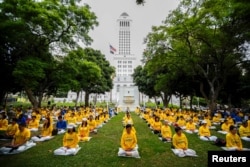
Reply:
x=220, y=142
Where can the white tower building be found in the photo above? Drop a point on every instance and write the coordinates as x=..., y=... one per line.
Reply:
x=124, y=93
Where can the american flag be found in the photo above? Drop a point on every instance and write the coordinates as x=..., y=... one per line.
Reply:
x=112, y=49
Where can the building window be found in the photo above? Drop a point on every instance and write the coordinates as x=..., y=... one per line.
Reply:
x=118, y=88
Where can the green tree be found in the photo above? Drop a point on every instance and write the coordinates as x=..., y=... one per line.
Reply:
x=203, y=40
x=56, y=25
x=98, y=83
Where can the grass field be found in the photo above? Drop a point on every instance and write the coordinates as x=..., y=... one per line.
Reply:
x=101, y=150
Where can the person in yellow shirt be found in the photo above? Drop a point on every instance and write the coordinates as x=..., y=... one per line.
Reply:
x=191, y=127
x=156, y=126
x=11, y=130
x=33, y=124
x=180, y=144
x=129, y=147
x=224, y=127
x=83, y=131
x=46, y=133
x=92, y=124
x=244, y=131
x=70, y=142
x=20, y=141
x=79, y=118
x=209, y=124
x=132, y=128
x=3, y=122
x=181, y=122
x=230, y=120
x=127, y=119
x=233, y=140
x=204, y=132
x=72, y=119
x=216, y=119
x=166, y=132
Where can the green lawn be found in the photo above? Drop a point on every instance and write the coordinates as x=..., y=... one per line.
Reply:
x=102, y=150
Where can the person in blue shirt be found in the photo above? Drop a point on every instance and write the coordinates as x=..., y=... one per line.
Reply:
x=61, y=125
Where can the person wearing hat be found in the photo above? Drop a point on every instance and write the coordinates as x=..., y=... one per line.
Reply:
x=244, y=131
x=128, y=143
x=83, y=130
x=166, y=132
x=180, y=144
x=19, y=140
x=216, y=119
x=204, y=132
x=33, y=123
x=70, y=142
x=191, y=127
x=11, y=130
x=224, y=127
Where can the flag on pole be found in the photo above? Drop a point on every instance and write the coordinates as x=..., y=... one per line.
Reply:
x=112, y=49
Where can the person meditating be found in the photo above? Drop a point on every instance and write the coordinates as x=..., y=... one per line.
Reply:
x=166, y=132
x=244, y=131
x=191, y=127
x=61, y=125
x=20, y=141
x=205, y=133
x=70, y=142
x=46, y=132
x=11, y=130
x=33, y=124
x=180, y=144
x=83, y=130
x=129, y=146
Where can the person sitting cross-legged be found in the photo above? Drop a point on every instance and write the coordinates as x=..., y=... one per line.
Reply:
x=244, y=131
x=33, y=124
x=83, y=131
x=224, y=127
x=191, y=127
x=11, y=130
x=129, y=146
x=205, y=133
x=180, y=144
x=20, y=141
x=166, y=132
x=233, y=141
x=46, y=132
x=61, y=125
x=70, y=142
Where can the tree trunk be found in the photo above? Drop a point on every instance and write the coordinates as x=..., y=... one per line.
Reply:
x=180, y=101
x=2, y=96
x=86, y=99
x=31, y=97
x=191, y=102
x=77, y=97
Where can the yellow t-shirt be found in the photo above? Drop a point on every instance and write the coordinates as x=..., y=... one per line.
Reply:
x=12, y=129
x=83, y=131
x=47, y=131
x=21, y=137
x=70, y=140
x=166, y=131
x=190, y=126
x=128, y=141
x=204, y=131
x=157, y=125
x=33, y=124
x=92, y=124
x=180, y=142
x=233, y=141
x=244, y=132
x=181, y=122
x=3, y=124
x=225, y=127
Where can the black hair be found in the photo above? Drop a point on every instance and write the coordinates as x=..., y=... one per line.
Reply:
x=231, y=127
x=128, y=126
x=177, y=129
